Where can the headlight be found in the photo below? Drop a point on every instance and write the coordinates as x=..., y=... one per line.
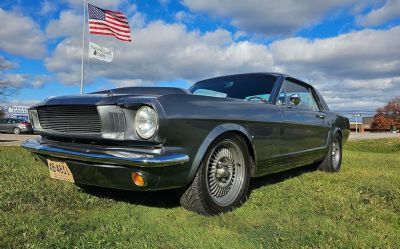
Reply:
x=146, y=122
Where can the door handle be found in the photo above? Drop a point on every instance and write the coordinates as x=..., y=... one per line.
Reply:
x=321, y=116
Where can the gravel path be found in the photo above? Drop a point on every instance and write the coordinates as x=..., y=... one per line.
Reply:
x=368, y=135
x=13, y=140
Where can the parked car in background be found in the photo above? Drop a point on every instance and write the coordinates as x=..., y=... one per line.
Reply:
x=16, y=126
x=208, y=141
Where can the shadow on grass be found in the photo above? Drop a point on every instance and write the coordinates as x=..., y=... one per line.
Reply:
x=170, y=198
x=162, y=198
x=259, y=182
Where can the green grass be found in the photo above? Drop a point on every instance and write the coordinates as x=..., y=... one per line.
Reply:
x=303, y=208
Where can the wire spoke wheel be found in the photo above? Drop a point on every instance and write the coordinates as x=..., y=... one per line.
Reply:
x=225, y=172
x=335, y=156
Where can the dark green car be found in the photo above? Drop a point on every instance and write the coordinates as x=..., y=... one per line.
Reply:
x=208, y=141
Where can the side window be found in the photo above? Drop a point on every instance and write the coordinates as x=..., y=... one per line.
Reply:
x=313, y=101
x=307, y=100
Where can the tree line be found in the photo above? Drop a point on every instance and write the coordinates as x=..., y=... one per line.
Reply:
x=387, y=117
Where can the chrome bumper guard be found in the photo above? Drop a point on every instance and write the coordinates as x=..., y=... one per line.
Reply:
x=136, y=159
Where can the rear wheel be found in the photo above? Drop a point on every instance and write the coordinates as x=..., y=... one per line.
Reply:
x=222, y=181
x=17, y=131
x=333, y=160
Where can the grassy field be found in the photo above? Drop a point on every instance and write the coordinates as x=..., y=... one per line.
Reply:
x=303, y=208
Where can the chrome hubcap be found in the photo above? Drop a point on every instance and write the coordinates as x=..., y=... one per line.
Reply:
x=335, y=153
x=225, y=173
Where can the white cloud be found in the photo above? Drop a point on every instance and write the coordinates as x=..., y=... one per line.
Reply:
x=78, y=4
x=137, y=21
x=184, y=17
x=38, y=81
x=18, y=102
x=355, y=70
x=17, y=80
x=132, y=8
x=67, y=25
x=364, y=65
x=129, y=82
x=268, y=17
x=365, y=54
x=20, y=35
x=239, y=34
x=65, y=61
x=47, y=7
x=6, y=64
x=389, y=11
x=178, y=54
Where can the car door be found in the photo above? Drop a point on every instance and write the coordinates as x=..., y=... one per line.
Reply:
x=304, y=131
x=3, y=124
x=9, y=127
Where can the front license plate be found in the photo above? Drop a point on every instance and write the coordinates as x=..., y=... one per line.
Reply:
x=60, y=171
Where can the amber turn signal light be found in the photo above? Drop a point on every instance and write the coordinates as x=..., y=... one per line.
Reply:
x=138, y=179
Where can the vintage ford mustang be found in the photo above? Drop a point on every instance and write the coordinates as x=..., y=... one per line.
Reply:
x=207, y=141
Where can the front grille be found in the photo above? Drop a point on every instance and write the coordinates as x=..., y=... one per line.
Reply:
x=70, y=119
x=117, y=121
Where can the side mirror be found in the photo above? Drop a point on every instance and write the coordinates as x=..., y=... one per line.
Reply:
x=294, y=100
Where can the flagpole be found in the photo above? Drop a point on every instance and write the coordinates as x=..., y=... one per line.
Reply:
x=83, y=43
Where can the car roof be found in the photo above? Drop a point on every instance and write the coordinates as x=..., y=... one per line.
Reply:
x=244, y=74
x=260, y=73
x=278, y=75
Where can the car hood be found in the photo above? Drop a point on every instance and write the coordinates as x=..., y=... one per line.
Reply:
x=114, y=96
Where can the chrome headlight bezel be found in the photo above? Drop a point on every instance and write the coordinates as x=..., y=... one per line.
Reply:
x=34, y=118
x=146, y=115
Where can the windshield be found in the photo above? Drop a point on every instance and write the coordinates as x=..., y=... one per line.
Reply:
x=257, y=87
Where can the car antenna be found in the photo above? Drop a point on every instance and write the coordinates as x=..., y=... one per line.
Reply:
x=155, y=74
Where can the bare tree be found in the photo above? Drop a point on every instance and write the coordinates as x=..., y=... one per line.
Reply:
x=2, y=112
x=6, y=88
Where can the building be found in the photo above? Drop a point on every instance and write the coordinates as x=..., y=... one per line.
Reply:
x=363, y=126
x=16, y=111
x=367, y=121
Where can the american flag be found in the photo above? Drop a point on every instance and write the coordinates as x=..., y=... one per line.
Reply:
x=107, y=22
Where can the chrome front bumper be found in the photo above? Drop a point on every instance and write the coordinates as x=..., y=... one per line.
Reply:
x=133, y=159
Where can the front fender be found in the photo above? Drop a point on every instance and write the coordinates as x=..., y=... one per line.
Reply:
x=215, y=133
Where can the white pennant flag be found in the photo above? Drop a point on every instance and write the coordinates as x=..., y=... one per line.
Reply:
x=100, y=53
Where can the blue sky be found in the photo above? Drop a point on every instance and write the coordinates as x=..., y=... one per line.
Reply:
x=348, y=49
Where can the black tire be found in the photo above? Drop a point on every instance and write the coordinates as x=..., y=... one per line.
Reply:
x=201, y=196
x=17, y=131
x=333, y=159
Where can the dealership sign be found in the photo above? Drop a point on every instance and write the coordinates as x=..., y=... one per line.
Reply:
x=17, y=110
